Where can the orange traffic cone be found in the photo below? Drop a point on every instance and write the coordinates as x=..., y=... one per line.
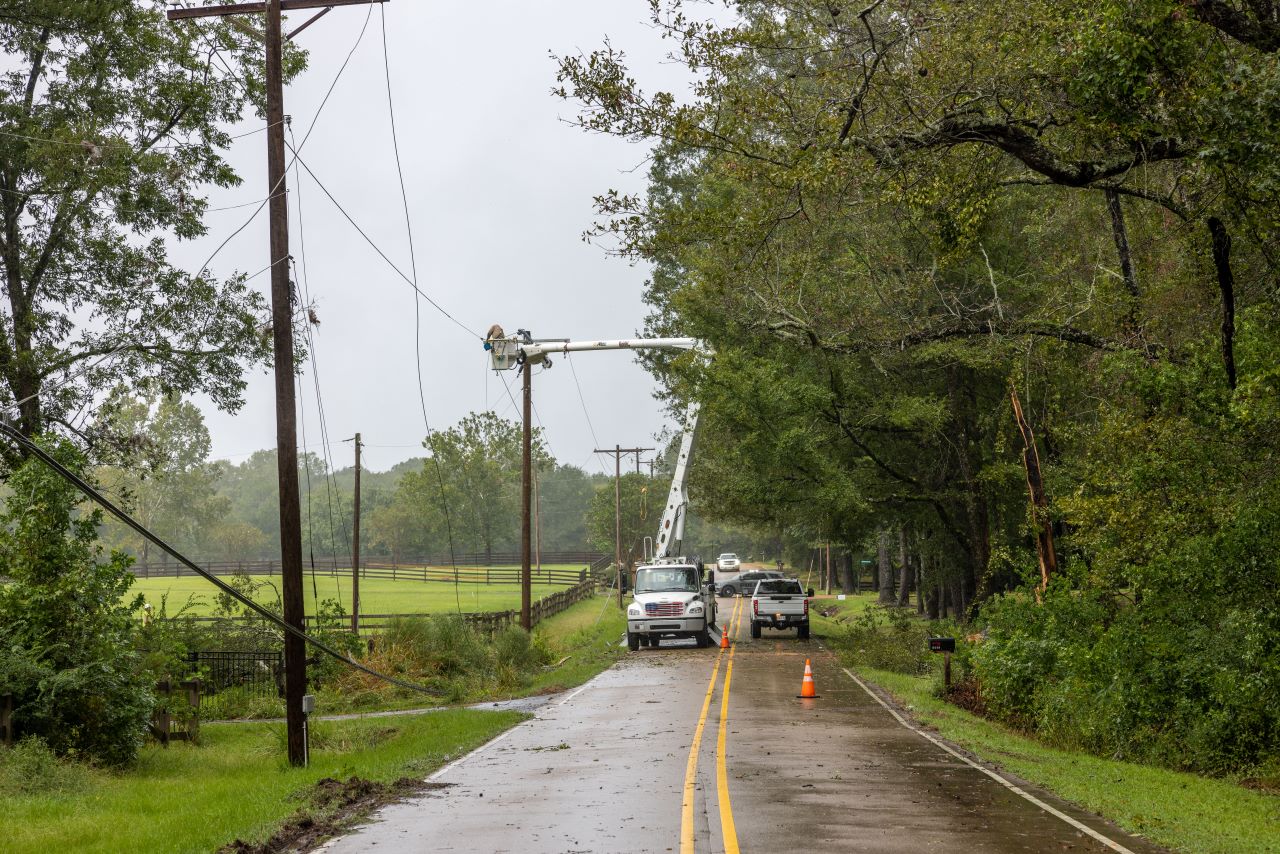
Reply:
x=724, y=637
x=807, y=690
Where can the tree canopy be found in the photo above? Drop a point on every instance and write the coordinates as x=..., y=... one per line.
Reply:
x=112, y=123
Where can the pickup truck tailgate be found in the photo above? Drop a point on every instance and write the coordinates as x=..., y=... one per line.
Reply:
x=781, y=603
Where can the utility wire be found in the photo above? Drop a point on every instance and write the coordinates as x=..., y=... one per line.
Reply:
x=383, y=255
x=80, y=484
x=417, y=312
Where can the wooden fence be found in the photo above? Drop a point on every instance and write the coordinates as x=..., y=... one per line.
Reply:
x=469, y=569
x=486, y=621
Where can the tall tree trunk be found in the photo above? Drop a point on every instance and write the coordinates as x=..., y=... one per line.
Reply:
x=930, y=595
x=920, y=584
x=904, y=569
x=1127, y=271
x=846, y=573
x=1226, y=285
x=885, y=568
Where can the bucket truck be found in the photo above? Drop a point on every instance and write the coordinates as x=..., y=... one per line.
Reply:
x=670, y=597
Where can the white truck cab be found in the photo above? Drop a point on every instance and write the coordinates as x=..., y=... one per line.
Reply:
x=670, y=600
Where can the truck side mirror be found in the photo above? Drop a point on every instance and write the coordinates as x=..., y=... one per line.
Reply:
x=809, y=592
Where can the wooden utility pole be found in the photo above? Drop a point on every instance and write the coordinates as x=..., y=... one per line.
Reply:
x=526, y=478
x=537, y=521
x=295, y=653
x=355, y=549
x=617, y=452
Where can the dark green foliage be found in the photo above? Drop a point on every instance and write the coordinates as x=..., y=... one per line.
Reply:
x=1189, y=687
x=66, y=630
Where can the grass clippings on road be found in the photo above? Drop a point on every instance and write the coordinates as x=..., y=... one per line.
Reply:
x=1181, y=811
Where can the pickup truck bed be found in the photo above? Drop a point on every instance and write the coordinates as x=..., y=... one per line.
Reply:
x=780, y=604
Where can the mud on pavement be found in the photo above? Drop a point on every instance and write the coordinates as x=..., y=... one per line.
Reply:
x=333, y=806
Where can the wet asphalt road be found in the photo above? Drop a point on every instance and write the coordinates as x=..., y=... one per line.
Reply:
x=604, y=769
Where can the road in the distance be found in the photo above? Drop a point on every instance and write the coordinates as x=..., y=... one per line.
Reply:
x=604, y=770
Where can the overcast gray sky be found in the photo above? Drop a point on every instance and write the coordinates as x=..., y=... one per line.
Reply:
x=500, y=190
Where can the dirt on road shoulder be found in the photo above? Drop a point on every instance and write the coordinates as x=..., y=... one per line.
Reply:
x=332, y=807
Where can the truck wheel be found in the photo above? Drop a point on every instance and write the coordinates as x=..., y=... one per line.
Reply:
x=755, y=629
x=728, y=590
x=644, y=640
x=802, y=633
x=633, y=641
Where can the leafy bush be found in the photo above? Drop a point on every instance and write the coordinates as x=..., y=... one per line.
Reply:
x=68, y=643
x=1159, y=681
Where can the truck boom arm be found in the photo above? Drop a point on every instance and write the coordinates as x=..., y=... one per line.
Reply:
x=671, y=528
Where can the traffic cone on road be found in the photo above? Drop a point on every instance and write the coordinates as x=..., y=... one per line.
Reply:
x=724, y=637
x=807, y=689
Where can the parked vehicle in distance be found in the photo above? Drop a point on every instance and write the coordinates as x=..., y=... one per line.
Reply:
x=670, y=601
x=745, y=583
x=780, y=603
x=728, y=562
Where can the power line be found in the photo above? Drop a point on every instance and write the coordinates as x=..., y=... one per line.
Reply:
x=79, y=483
x=586, y=413
x=417, y=313
x=382, y=254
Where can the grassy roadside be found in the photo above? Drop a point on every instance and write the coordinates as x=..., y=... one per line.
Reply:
x=577, y=643
x=234, y=785
x=583, y=641
x=1184, y=812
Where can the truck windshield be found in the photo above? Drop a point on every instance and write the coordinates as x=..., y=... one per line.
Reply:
x=769, y=587
x=682, y=579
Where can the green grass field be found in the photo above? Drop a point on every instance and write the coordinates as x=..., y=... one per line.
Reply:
x=377, y=595
x=235, y=784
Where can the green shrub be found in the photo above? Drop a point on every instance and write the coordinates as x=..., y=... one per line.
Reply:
x=68, y=644
x=1164, y=681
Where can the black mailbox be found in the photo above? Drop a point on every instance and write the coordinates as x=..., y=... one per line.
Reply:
x=942, y=644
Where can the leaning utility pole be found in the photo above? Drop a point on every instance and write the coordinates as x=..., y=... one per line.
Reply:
x=617, y=452
x=355, y=549
x=295, y=653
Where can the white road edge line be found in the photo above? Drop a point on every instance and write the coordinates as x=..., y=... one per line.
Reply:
x=439, y=772
x=1083, y=828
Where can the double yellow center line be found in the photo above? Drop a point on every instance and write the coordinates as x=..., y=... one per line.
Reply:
x=727, y=828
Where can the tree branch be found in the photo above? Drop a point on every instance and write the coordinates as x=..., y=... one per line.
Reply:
x=1017, y=141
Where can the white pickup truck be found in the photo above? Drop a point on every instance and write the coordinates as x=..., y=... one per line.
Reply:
x=780, y=603
x=670, y=601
